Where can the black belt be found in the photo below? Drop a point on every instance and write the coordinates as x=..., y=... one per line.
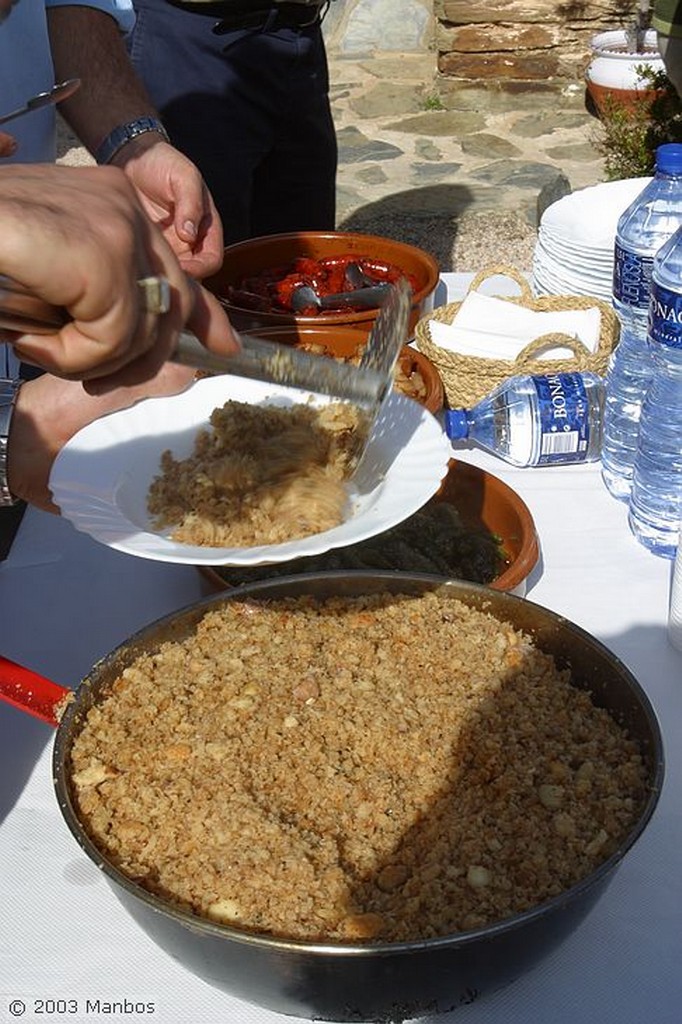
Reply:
x=236, y=14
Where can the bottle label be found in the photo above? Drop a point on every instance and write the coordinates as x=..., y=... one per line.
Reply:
x=631, y=278
x=665, y=316
x=563, y=408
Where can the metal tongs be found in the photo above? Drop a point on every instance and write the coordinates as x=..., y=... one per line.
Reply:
x=365, y=385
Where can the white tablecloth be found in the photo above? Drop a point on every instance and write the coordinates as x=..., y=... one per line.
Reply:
x=66, y=601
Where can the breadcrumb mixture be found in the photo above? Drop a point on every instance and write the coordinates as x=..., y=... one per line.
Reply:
x=407, y=377
x=379, y=768
x=260, y=475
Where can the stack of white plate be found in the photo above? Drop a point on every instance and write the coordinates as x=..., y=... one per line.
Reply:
x=574, y=251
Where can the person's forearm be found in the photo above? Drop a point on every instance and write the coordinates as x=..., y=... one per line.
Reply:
x=87, y=44
x=113, y=116
x=49, y=411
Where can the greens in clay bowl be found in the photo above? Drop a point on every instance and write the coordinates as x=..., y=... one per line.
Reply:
x=476, y=528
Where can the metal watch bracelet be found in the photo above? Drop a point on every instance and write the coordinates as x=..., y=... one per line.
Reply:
x=9, y=390
x=125, y=133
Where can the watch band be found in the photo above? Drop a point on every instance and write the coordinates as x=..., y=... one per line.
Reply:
x=125, y=133
x=9, y=390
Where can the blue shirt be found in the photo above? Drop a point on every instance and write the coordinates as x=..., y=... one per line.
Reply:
x=26, y=69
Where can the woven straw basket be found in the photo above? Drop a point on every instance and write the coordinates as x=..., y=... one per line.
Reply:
x=467, y=379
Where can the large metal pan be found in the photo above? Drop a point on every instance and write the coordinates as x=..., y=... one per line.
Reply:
x=385, y=982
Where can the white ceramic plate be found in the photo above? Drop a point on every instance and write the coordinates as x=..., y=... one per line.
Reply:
x=576, y=254
x=584, y=283
x=101, y=478
x=589, y=216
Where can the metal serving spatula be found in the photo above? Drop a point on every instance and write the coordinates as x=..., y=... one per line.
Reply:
x=366, y=385
x=58, y=93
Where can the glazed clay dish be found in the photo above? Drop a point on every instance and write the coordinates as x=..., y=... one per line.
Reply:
x=416, y=376
x=255, y=256
x=491, y=538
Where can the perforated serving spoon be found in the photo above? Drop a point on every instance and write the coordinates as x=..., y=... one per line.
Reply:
x=59, y=92
x=366, y=384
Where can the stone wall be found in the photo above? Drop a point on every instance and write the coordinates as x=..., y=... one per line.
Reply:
x=530, y=40
x=365, y=28
x=477, y=40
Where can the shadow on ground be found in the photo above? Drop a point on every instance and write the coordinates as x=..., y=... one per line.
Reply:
x=441, y=220
x=425, y=217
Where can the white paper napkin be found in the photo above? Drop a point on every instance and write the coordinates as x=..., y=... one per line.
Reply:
x=492, y=328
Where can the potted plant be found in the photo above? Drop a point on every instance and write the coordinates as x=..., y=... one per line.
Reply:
x=623, y=61
x=628, y=135
x=637, y=104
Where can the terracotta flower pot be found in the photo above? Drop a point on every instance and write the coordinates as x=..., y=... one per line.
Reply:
x=613, y=75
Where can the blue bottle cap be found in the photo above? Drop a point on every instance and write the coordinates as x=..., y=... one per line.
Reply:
x=669, y=158
x=456, y=424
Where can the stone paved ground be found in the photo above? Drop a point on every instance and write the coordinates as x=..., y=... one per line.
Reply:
x=458, y=171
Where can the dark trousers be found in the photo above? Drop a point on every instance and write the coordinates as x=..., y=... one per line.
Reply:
x=251, y=108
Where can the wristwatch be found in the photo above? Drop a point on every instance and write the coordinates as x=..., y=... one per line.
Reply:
x=125, y=133
x=9, y=390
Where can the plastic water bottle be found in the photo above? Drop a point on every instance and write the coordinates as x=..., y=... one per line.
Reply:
x=642, y=229
x=656, y=498
x=675, y=607
x=540, y=420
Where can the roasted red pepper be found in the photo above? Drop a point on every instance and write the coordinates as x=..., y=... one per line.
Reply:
x=271, y=289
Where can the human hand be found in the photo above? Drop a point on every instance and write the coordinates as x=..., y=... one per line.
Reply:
x=79, y=238
x=176, y=198
x=49, y=411
x=8, y=144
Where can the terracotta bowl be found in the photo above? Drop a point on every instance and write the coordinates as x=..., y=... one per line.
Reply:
x=344, y=342
x=484, y=499
x=481, y=499
x=255, y=255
